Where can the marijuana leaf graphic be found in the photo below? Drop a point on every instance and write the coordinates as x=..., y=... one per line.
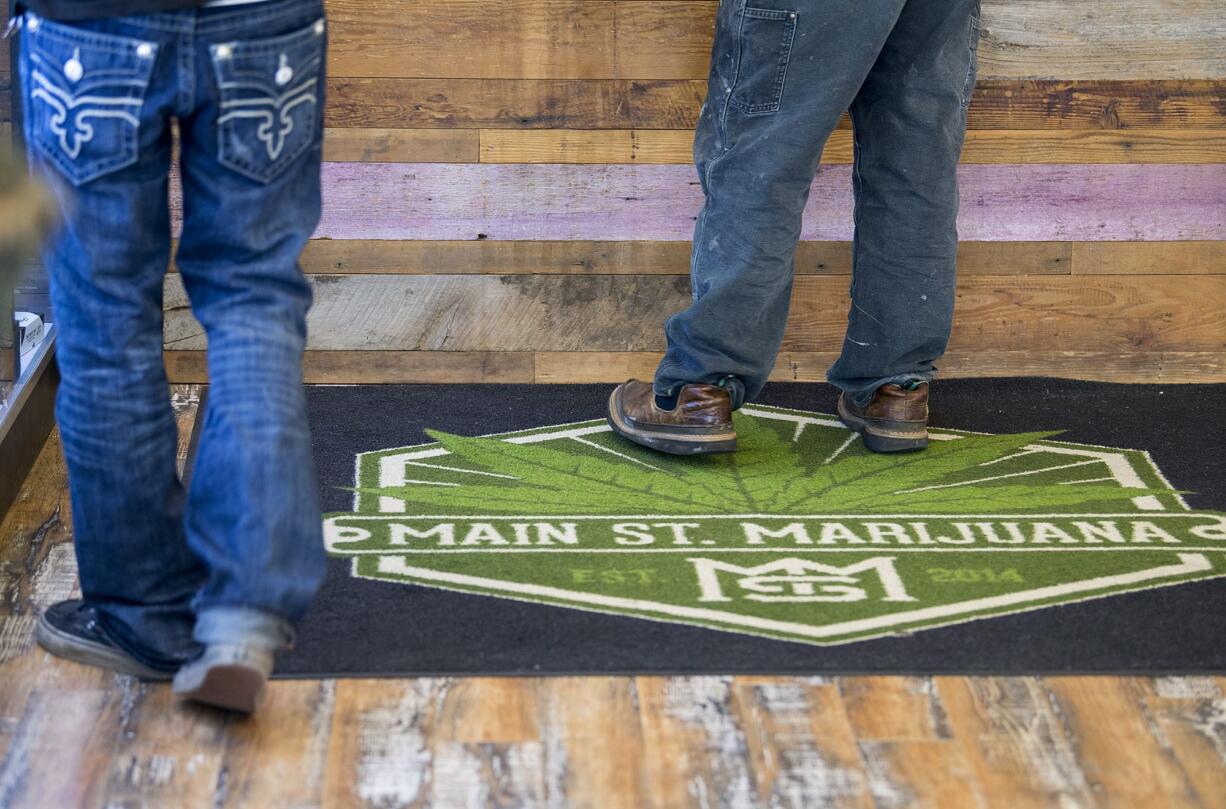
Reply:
x=780, y=469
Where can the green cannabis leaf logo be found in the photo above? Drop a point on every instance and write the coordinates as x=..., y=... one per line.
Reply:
x=780, y=469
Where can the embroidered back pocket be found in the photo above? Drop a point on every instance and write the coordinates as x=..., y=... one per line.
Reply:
x=270, y=91
x=765, y=43
x=84, y=92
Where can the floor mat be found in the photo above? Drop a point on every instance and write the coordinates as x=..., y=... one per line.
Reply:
x=1052, y=526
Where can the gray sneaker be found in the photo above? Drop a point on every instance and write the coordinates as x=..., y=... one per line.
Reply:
x=69, y=629
x=228, y=676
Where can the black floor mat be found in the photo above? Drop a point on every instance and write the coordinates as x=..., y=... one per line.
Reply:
x=994, y=555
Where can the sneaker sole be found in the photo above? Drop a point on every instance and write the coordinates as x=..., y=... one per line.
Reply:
x=78, y=650
x=671, y=443
x=876, y=442
x=231, y=687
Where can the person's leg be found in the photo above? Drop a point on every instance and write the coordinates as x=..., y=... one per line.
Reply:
x=251, y=154
x=910, y=121
x=782, y=73
x=95, y=98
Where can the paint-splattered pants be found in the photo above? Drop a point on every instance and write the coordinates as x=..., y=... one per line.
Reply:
x=782, y=73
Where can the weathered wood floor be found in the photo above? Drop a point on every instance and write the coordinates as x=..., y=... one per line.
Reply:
x=72, y=736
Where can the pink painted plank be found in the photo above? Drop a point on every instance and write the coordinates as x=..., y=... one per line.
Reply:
x=613, y=202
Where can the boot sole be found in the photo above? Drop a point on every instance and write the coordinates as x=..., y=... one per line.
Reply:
x=78, y=650
x=884, y=444
x=670, y=443
x=232, y=687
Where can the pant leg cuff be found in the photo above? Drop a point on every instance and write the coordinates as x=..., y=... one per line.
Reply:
x=730, y=382
x=243, y=626
x=863, y=394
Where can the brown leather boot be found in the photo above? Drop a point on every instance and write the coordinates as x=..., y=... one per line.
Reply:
x=700, y=424
x=896, y=420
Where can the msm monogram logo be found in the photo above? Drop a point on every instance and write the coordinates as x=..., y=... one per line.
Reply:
x=799, y=580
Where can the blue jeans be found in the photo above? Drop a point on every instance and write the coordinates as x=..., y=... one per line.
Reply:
x=238, y=556
x=782, y=73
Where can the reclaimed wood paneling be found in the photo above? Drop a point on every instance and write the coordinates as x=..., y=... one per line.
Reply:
x=982, y=146
x=1152, y=39
x=376, y=367
x=401, y=145
x=670, y=39
x=484, y=257
x=514, y=103
x=1149, y=258
x=625, y=313
x=584, y=104
x=565, y=367
x=447, y=103
x=673, y=104
x=1098, y=104
x=810, y=366
x=473, y=38
x=654, y=203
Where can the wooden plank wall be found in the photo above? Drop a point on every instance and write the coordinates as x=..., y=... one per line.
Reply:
x=509, y=195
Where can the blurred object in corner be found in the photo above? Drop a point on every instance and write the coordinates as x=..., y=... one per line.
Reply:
x=29, y=336
x=27, y=213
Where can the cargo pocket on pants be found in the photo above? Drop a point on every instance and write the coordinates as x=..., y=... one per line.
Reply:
x=765, y=48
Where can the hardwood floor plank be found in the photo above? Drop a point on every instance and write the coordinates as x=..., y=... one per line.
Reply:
x=278, y=758
x=380, y=752
x=1013, y=740
x=38, y=521
x=464, y=716
x=1124, y=764
x=593, y=747
x=922, y=775
x=799, y=742
x=1189, y=715
x=893, y=709
x=59, y=755
x=696, y=755
x=167, y=755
